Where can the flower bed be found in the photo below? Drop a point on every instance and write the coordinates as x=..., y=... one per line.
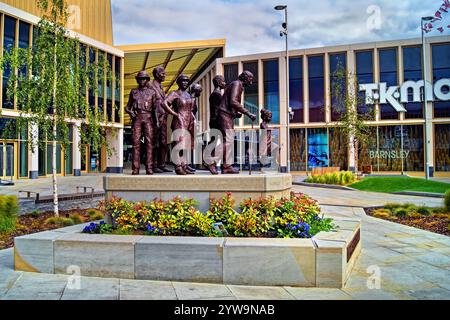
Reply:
x=436, y=220
x=295, y=217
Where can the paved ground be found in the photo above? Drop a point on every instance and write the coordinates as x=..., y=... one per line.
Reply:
x=411, y=263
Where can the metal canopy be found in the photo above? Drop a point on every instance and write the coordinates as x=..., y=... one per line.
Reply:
x=177, y=58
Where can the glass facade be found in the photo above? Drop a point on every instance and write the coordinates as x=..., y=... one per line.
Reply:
x=338, y=79
x=251, y=100
x=318, y=148
x=412, y=71
x=9, y=40
x=316, y=89
x=296, y=89
x=109, y=74
x=82, y=67
x=231, y=73
x=272, y=89
x=442, y=147
x=298, y=149
x=441, y=70
x=117, y=90
x=388, y=75
x=91, y=92
x=338, y=149
x=101, y=84
x=364, y=74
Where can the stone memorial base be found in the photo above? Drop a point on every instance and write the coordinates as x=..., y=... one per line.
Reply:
x=200, y=187
x=325, y=261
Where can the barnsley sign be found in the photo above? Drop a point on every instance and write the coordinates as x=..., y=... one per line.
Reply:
x=397, y=95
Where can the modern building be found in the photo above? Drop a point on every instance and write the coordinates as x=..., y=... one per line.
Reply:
x=92, y=24
x=315, y=137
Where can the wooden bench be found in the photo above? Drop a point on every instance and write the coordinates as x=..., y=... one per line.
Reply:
x=321, y=171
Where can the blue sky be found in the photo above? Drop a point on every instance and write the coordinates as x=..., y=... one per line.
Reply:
x=253, y=26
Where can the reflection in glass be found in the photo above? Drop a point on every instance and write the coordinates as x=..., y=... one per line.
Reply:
x=316, y=89
x=117, y=115
x=271, y=89
x=441, y=70
x=364, y=74
x=298, y=149
x=368, y=150
x=412, y=71
x=442, y=142
x=109, y=107
x=296, y=88
x=388, y=75
x=338, y=149
x=338, y=63
x=9, y=38
x=317, y=148
x=251, y=101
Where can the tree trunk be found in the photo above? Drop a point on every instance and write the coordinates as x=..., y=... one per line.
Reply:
x=55, y=184
x=355, y=146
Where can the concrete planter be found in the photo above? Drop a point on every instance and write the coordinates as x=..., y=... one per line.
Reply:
x=323, y=261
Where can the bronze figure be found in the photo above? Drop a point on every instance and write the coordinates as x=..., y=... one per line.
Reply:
x=231, y=108
x=161, y=147
x=141, y=108
x=214, y=103
x=266, y=147
x=195, y=90
x=181, y=105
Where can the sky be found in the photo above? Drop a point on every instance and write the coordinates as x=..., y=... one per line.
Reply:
x=253, y=26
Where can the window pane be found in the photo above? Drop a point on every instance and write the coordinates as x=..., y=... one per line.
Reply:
x=317, y=148
x=368, y=151
x=412, y=71
x=109, y=108
x=231, y=74
x=338, y=149
x=8, y=129
x=413, y=148
x=117, y=93
x=296, y=89
x=82, y=68
x=388, y=74
x=390, y=148
x=24, y=42
x=298, y=149
x=442, y=153
x=338, y=64
x=23, y=165
x=316, y=89
x=9, y=38
x=91, y=80
x=364, y=74
x=441, y=70
x=101, y=82
x=251, y=101
x=271, y=89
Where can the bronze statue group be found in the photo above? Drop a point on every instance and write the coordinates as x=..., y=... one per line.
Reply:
x=149, y=107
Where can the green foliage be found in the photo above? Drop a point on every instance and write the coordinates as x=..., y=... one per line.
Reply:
x=60, y=221
x=400, y=212
x=447, y=200
x=77, y=219
x=262, y=217
x=336, y=178
x=424, y=211
x=397, y=184
x=35, y=214
x=9, y=211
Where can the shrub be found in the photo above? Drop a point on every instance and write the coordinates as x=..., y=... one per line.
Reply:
x=391, y=206
x=400, y=212
x=9, y=211
x=336, y=178
x=424, y=211
x=59, y=221
x=447, y=200
x=77, y=219
x=382, y=213
x=96, y=216
x=35, y=214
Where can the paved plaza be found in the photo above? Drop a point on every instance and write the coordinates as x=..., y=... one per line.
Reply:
x=409, y=263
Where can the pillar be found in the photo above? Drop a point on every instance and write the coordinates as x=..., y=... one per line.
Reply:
x=76, y=152
x=114, y=161
x=33, y=152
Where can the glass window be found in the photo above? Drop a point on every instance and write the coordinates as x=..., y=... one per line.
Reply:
x=117, y=94
x=82, y=68
x=8, y=128
x=24, y=43
x=231, y=74
x=317, y=148
x=101, y=83
x=441, y=70
x=338, y=149
x=272, y=89
x=316, y=89
x=298, y=149
x=413, y=148
x=58, y=158
x=9, y=39
x=364, y=74
x=23, y=164
x=442, y=152
x=390, y=152
x=389, y=75
x=296, y=89
x=412, y=71
x=109, y=74
x=338, y=64
x=368, y=151
x=68, y=160
x=251, y=101
x=92, y=79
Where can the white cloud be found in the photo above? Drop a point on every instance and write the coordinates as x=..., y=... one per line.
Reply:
x=253, y=26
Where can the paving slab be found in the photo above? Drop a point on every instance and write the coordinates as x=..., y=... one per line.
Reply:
x=317, y=294
x=93, y=289
x=146, y=290
x=200, y=291
x=260, y=293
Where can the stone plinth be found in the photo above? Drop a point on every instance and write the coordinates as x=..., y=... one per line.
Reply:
x=200, y=187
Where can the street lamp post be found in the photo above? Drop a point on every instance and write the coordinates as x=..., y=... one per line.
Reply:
x=284, y=32
x=425, y=102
